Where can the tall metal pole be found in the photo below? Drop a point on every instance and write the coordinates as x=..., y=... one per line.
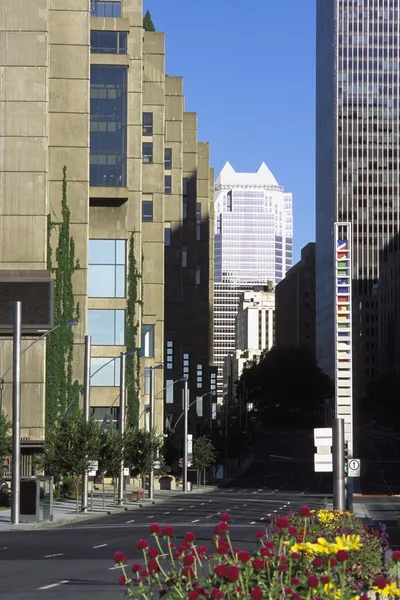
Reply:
x=16, y=416
x=151, y=429
x=122, y=419
x=86, y=411
x=185, y=435
x=339, y=484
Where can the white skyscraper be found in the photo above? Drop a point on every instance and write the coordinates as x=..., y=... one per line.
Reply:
x=253, y=245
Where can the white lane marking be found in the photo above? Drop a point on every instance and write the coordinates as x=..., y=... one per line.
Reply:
x=275, y=511
x=100, y=546
x=131, y=521
x=52, y=555
x=196, y=521
x=210, y=500
x=180, y=508
x=269, y=514
x=150, y=517
x=289, y=502
x=252, y=523
x=202, y=503
x=262, y=518
x=260, y=490
x=114, y=568
x=166, y=513
x=53, y=585
x=5, y=548
x=209, y=517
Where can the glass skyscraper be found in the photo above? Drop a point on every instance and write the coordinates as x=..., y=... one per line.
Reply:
x=357, y=168
x=253, y=245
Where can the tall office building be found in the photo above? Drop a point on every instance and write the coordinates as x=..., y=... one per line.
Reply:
x=253, y=245
x=84, y=86
x=357, y=168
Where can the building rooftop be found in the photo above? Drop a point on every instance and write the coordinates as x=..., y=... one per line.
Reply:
x=263, y=177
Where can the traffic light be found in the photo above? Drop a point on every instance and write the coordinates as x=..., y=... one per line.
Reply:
x=346, y=458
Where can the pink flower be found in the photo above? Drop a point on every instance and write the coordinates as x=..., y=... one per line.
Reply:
x=189, y=537
x=283, y=523
x=225, y=517
x=188, y=560
x=136, y=567
x=142, y=545
x=256, y=593
x=305, y=512
x=244, y=556
x=312, y=581
x=155, y=529
x=119, y=557
x=232, y=573
x=168, y=531
x=220, y=570
x=292, y=530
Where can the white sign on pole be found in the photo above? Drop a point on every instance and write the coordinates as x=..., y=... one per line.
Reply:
x=93, y=467
x=323, y=436
x=354, y=467
x=323, y=463
x=126, y=471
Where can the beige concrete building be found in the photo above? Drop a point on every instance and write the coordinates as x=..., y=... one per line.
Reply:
x=82, y=85
x=255, y=319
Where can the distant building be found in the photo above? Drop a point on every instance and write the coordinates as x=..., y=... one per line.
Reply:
x=295, y=303
x=388, y=296
x=255, y=320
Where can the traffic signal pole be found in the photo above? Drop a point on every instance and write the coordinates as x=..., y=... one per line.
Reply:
x=339, y=474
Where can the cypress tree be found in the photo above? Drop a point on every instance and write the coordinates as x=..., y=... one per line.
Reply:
x=60, y=344
x=148, y=24
x=132, y=330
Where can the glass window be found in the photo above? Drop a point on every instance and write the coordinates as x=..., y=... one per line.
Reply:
x=167, y=236
x=185, y=186
x=147, y=123
x=106, y=416
x=167, y=184
x=104, y=372
x=169, y=391
x=107, y=268
x=168, y=158
x=198, y=276
x=147, y=210
x=184, y=256
x=198, y=231
x=170, y=355
x=147, y=152
x=107, y=327
x=199, y=406
x=198, y=211
x=148, y=341
x=186, y=366
x=99, y=8
x=185, y=209
x=108, y=42
x=108, y=139
x=147, y=380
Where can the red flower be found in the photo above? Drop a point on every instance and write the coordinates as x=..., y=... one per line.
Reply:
x=153, y=553
x=168, y=531
x=305, y=512
x=332, y=562
x=155, y=529
x=396, y=555
x=342, y=555
x=292, y=530
x=119, y=557
x=312, y=581
x=216, y=594
x=260, y=534
x=288, y=591
x=152, y=566
x=202, y=550
x=124, y=580
x=257, y=563
x=225, y=517
x=136, y=567
x=193, y=595
x=222, y=547
x=188, y=572
x=283, y=523
x=142, y=545
x=232, y=573
x=295, y=556
x=177, y=554
x=266, y=552
x=244, y=556
x=221, y=528
x=317, y=562
x=189, y=537
x=295, y=581
x=144, y=573
x=220, y=570
x=381, y=583
x=325, y=579
x=188, y=560
x=282, y=567
x=269, y=545
x=256, y=593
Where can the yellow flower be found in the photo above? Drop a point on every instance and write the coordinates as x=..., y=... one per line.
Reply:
x=324, y=547
x=389, y=590
x=306, y=547
x=348, y=542
x=332, y=592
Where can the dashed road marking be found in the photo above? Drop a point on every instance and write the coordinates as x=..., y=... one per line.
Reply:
x=150, y=517
x=180, y=508
x=166, y=513
x=131, y=521
x=252, y=523
x=100, y=546
x=53, y=585
x=196, y=521
x=53, y=555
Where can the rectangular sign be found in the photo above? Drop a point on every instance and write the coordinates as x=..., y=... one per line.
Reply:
x=323, y=463
x=322, y=436
x=354, y=467
x=343, y=330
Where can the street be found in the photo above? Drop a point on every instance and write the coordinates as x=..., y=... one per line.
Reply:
x=76, y=560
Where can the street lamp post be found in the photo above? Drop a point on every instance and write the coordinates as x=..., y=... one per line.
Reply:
x=151, y=423
x=185, y=436
x=122, y=411
x=86, y=409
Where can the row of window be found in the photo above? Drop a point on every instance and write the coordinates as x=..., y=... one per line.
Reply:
x=107, y=9
x=147, y=154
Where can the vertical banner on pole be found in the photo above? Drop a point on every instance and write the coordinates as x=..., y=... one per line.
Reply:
x=343, y=331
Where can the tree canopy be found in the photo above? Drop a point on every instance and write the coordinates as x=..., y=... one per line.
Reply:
x=5, y=436
x=148, y=24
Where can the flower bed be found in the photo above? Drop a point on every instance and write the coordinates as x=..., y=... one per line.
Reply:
x=310, y=555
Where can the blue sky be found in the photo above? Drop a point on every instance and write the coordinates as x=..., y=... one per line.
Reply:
x=249, y=73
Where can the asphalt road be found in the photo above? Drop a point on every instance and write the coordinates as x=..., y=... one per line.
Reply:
x=75, y=561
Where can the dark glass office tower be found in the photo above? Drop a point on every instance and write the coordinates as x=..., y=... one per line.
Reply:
x=357, y=169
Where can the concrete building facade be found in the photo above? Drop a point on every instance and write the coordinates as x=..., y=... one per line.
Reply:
x=295, y=303
x=255, y=320
x=83, y=86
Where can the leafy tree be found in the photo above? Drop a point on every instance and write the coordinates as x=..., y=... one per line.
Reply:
x=111, y=445
x=132, y=331
x=69, y=451
x=5, y=436
x=60, y=386
x=141, y=450
x=148, y=24
x=204, y=453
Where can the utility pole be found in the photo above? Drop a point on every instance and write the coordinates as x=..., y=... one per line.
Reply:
x=338, y=459
x=86, y=410
x=16, y=416
x=185, y=435
x=151, y=429
x=122, y=419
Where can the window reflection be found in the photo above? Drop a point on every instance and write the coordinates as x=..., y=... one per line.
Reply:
x=108, y=42
x=107, y=327
x=99, y=8
x=148, y=341
x=104, y=372
x=108, y=106
x=107, y=268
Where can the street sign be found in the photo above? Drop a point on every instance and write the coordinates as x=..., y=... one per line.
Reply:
x=323, y=463
x=126, y=472
x=93, y=465
x=322, y=436
x=156, y=465
x=354, y=467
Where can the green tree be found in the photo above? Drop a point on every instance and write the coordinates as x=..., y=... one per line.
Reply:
x=111, y=451
x=132, y=331
x=71, y=448
x=60, y=386
x=5, y=436
x=204, y=454
x=141, y=450
x=148, y=24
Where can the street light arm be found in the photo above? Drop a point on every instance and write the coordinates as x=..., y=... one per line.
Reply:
x=181, y=415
